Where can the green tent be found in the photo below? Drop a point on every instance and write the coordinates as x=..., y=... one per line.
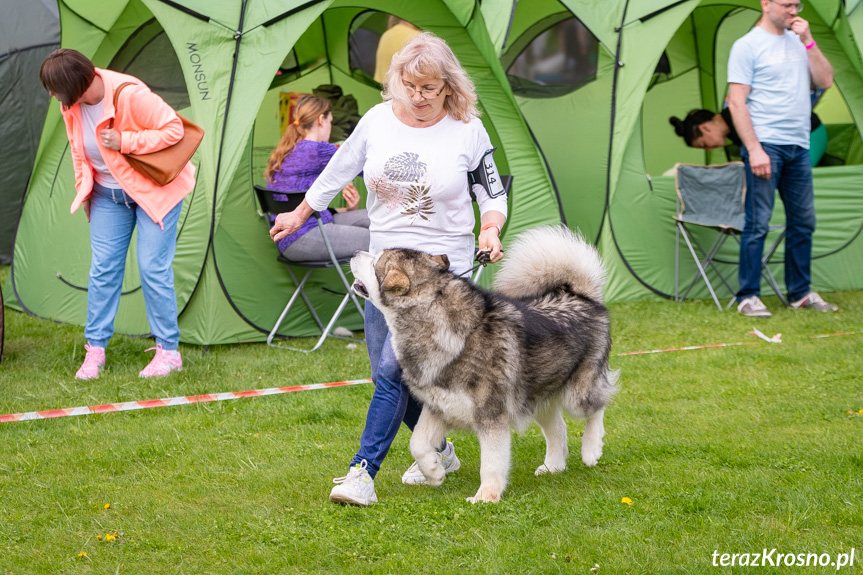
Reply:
x=597, y=82
x=225, y=65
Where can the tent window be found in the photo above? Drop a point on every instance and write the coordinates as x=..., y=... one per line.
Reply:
x=662, y=72
x=149, y=56
x=562, y=56
x=376, y=34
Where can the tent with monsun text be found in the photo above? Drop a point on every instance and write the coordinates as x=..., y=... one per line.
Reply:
x=226, y=65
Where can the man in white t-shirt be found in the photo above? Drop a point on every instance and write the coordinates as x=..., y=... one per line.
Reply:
x=770, y=71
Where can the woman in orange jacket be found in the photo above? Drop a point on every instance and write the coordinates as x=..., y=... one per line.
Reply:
x=117, y=199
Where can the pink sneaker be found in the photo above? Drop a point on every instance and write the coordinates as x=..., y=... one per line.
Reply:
x=163, y=363
x=94, y=359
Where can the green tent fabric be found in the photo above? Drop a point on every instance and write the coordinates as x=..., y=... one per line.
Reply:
x=607, y=140
x=224, y=64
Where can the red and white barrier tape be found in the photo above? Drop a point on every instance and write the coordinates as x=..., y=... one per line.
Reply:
x=688, y=348
x=834, y=334
x=775, y=339
x=189, y=399
x=185, y=400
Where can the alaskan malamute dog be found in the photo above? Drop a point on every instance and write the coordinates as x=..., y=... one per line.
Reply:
x=488, y=361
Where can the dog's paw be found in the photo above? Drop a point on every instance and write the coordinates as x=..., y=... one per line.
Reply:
x=590, y=457
x=545, y=468
x=485, y=495
x=435, y=475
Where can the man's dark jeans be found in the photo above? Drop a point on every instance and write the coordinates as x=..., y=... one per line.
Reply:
x=791, y=174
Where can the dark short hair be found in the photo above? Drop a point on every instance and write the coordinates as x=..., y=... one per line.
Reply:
x=67, y=73
x=689, y=127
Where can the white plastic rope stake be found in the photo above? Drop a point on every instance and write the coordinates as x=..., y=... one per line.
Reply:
x=775, y=339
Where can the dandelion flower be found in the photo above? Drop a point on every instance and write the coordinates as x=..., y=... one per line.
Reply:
x=82, y=554
x=107, y=506
x=109, y=537
x=626, y=500
x=99, y=537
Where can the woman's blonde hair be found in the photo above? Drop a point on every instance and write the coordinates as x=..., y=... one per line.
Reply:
x=427, y=56
x=307, y=110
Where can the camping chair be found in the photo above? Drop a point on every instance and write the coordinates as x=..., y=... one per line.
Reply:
x=506, y=181
x=713, y=197
x=272, y=207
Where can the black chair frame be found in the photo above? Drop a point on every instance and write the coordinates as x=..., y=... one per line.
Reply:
x=270, y=206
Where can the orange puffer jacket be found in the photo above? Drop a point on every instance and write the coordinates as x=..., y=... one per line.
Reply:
x=146, y=124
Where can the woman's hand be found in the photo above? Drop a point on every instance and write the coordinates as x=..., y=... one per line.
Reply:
x=351, y=196
x=86, y=205
x=289, y=222
x=110, y=138
x=286, y=224
x=490, y=242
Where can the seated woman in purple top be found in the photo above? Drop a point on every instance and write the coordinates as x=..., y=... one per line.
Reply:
x=294, y=165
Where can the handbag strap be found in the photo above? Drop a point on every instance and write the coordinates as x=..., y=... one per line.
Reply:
x=117, y=91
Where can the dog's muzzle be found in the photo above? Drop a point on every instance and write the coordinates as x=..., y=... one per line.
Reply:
x=360, y=289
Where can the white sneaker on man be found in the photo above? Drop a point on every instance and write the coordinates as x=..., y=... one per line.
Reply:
x=752, y=306
x=814, y=301
x=451, y=464
x=355, y=488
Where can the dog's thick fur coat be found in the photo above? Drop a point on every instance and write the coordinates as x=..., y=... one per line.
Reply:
x=489, y=361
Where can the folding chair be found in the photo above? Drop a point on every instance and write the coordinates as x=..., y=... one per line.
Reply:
x=271, y=207
x=713, y=197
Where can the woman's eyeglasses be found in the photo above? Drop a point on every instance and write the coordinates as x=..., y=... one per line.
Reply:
x=426, y=93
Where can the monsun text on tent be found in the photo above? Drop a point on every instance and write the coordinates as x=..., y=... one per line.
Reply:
x=198, y=69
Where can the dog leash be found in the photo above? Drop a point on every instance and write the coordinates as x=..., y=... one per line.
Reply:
x=483, y=257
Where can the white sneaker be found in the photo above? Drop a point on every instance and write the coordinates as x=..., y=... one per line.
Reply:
x=814, y=301
x=451, y=464
x=356, y=488
x=753, y=307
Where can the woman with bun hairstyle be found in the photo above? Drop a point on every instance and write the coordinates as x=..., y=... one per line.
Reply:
x=708, y=130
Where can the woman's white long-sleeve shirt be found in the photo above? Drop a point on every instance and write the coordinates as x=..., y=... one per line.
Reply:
x=417, y=183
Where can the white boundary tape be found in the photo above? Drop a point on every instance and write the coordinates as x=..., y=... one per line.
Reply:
x=170, y=402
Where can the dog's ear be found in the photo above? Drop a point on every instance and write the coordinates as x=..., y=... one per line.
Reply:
x=395, y=281
x=442, y=261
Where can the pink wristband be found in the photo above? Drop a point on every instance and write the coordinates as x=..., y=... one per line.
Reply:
x=490, y=225
x=810, y=46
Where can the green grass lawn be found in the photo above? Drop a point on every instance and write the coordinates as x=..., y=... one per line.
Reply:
x=726, y=450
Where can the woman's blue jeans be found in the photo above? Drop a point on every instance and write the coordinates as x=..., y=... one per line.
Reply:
x=791, y=174
x=391, y=403
x=113, y=218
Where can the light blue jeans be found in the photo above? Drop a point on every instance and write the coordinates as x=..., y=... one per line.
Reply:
x=113, y=217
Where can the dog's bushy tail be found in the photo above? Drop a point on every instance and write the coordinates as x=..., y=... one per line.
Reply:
x=544, y=258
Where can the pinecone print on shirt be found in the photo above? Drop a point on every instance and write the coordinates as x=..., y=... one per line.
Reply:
x=406, y=167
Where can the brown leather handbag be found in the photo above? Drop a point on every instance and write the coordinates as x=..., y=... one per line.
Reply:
x=166, y=164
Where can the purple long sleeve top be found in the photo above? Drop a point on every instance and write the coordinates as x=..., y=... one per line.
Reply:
x=300, y=169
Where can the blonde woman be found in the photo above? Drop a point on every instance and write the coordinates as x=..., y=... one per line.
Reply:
x=415, y=150
x=298, y=160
